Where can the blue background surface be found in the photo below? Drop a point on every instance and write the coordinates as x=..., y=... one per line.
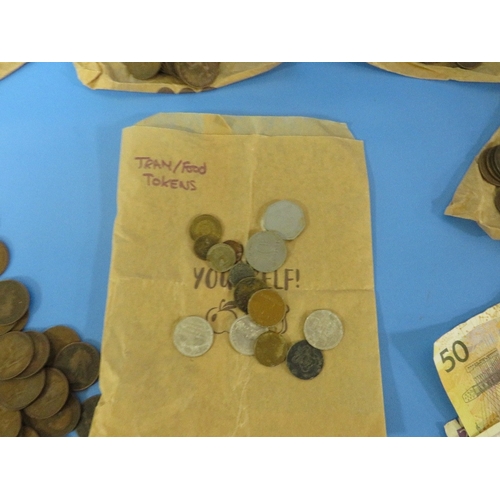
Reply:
x=59, y=157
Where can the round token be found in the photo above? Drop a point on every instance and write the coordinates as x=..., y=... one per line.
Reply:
x=4, y=257
x=323, y=329
x=41, y=354
x=205, y=225
x=221, y=257
x=237, y=247
x=80, y=363
x=245, y=288
x=14, y=301
x=304, y=361
x=239, y=272
x=10, y=423
x=285, y=217
x=266, y=307
x=60, y=336
x=16, y=394
x=197, y=74
x=266, y=251
x=88, y=409
x=193, y=336
x=243, y=335
x=143, y=70
x=16, y=352
x=17, y=325
x=271, y=349
x=203, y=244
x=482, y=163
x=28, y=432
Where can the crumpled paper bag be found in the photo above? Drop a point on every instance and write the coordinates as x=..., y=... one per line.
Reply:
x=174, y=167
x=6, y=68
x=114, y=76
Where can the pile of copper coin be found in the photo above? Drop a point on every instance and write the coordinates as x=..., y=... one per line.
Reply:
x=40, y=370
x=194, y=74
x=257, y=333
x=489, y=167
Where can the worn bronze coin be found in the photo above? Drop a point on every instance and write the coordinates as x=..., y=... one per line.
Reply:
x=197, y=74
x=468, y=65
x=245, y=289
x=221, y=257
x=52, y=398
x=80, y=363
x=240, y=271
x=10, y=422
x=271, y=349
x=143, y=70
x=41, y=354
x=203, y=244
x=237, y=247
x=14, y=301
x=60, y=336
x=266, y=307
x=17, y=325
x=16, y=353
x=4, y=257
x=28, y=432
x=88, y=409
x=482, y=162
x=16, y=394
x=205, y=225
x=304, y=361
x=491, y=165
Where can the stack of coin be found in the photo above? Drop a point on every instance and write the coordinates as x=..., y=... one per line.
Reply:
x=489, y=167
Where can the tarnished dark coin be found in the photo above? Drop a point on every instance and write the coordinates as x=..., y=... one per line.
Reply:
x=60, y=424
x=266, y=307
x=10, y=423
x=41, y=354
x=197, y=74
x=54, y=394
x=304, y=361
x=237, y=247
x=28, y=432
x=203, y=244
x=167, y=68
x=60, y=336
x=14, y=301
x=484, y=168
x=205, y=225
x=80, y=363
x=16, y=353
x=245, y=289
x=16, y=394
x=143, y=70
x=88, y=409
x=239, y=272
x=271, y=349
x=221, y=257
x=4, y=257
x=468, y=65
x=497, y=199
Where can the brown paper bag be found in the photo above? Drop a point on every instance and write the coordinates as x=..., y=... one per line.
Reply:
x=487, y=72
x=6, y=68
x=176, y=166
x=474, y=197
x=114, y=76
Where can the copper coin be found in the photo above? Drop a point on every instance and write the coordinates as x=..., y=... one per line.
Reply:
x=245, y=289
x=59, y=337
x=221, y=257
x=4, y=257
x=205, y=225
x=16, y=353
x=10, y=423
x=16, y=394
x=167, y=68
x=143, y=70
x=88, y=409
x=271, y=349
x=14, y=301
x=54, y=395
x=240, y=271
x=468, y=65
x=60, y=424
x=497, y=199
x=17, y=325
x=42, y=350
x=197, y=74
x=237, y=247
x=80, y=363
x=28, y=432
x=266, y=307
x=203, y=244
x=495, y=159
x=304, y=361
x=492, y=167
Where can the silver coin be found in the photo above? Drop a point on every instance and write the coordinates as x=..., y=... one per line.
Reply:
x=193, y=336
x=266, y=251
x=323, y=329
x=239, y=272
x=243, y=335
x=221, y=257
x=286, y=217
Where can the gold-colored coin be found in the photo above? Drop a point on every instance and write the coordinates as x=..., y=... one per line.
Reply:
x=266, y=307
x=197, y=74
x=203, y=244
x=16, y=394
x=4, y=257
x=28, y=432
x=60, y=336
x=16, y=353
x=221, y=257
x=14, y=301
x=10, y=423
x=271, y=349
x=80, y=363
x=143, y=70
x=41, y=354
x=205, y=225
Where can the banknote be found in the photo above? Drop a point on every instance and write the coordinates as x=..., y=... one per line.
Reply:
x=454, y=428
x=467, y=359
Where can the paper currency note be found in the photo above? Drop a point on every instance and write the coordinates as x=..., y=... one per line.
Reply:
x=455, y=429
x=467, y=359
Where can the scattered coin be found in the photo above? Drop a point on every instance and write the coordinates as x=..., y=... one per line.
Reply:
x=221, y=257
x=4, y=257
x=205, y=225
x=16, y=394
x=323, y=329
x=60, y=336
x=304, y=361
x=203, y=244
x=16, y=352
x=143, y=70
x=193, y=336
x=197, y=74
x=28, y=432
x=80, y=364
x=240, y=271
x=41, y=354
x=237, y=247
x=245, y=289
x=14, y=301
x=468, y=65
x=266, y=307
x=266, y=251
x=243, y=335
x=88, y=409
x=271, y=349
x=10, y=423
x=285, y=217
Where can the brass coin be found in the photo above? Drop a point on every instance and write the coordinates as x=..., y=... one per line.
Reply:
x=468, y=65
x=245, y=289
x=203, y=244
x=16, y=394
x=41, y=355
x=197, y=74
x=221, y=257
x=239, y=272
x=143, y=70
x=167, y=68
x=271, y=349
x=60, y=424
x=4, y=257
x=52, y=398
x=16, y=353
x=14, y=301
x=28, y=432
x=205, y=225
x=88, y=409
x=80, y=363
x=266, y=307
x=59, y=337
x=304, y=361
x=10, y=423
x=237, y=247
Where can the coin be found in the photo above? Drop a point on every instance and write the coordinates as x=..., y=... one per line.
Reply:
x=239, y=272
x=88, y=409
x=245, y=288
x=10, y=423
x=193, y=336
x=41, y=354
x=497, y=199
x=27, y=432
x=203, y=244
x=14, y=301
x=80, y=363
x=221, y=257
x=167, y=68
x=237, y=247
x=304, y=361
x=266, y=251
x=143, y=70
x=271, y=349
x=4, y=257
x=52, y=398
x=266, y=307
x=21, y=323
x=468, y=65
x=197, y=74
x=60, y=336
x=285, y=217
x=323, y=329
x=482, y=163
x=243, y=334
x=16, y=394
x=16, y=352
x=205, y=225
